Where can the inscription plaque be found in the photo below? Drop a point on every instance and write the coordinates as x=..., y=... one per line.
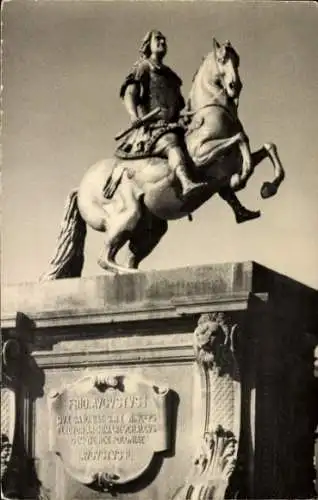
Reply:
x=107, y=428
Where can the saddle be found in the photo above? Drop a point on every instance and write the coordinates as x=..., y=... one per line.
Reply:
x=139, y=144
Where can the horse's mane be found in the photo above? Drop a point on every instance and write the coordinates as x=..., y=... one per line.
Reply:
x=198, y=68
x=188, y=104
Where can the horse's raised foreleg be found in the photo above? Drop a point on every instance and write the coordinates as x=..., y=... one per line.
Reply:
x=251, y=160
x=239, y=179
x=269, y=150
x=211, y=149
x=270, y=188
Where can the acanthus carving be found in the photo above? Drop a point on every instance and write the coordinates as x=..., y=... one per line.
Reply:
x=10, y=354
x=212, y=467
x=215, y=458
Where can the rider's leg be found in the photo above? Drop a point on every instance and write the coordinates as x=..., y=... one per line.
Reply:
x=169, y=145
x=241, y=213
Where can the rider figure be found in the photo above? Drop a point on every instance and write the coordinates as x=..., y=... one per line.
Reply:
x=150, y=85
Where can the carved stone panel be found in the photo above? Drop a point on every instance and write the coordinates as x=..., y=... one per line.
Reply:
x=8, y=414
x=106, y=429
x=219, y=409
x=10, y=361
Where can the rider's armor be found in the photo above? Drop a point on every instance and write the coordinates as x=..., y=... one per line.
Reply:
x=157, y=87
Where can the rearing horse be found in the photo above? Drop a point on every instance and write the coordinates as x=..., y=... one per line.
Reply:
x=148, y=193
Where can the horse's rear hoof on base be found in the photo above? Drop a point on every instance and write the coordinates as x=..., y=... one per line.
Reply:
x=113, y=268
x=268, y=189
x=104, y=265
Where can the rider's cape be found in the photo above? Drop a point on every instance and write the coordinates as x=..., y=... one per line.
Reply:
x=157, y=87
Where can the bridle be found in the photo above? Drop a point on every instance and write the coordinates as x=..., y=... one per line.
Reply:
x=215, y=104
x=217, y=61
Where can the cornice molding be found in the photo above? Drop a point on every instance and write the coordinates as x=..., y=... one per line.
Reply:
x=171, y=309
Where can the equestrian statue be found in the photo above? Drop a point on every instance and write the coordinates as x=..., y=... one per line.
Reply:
x=171, y=159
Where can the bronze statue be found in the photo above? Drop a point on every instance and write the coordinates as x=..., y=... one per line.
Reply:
x=164, y=169
x=153, y=99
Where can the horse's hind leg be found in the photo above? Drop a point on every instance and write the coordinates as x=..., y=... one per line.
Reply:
x=119, y=224
x=113, y=243
x=145, y=237
x=112, y=246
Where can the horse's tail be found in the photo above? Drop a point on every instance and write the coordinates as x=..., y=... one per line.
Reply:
x=68, y=258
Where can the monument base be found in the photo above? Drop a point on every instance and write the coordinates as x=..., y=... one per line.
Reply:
x=161, y=385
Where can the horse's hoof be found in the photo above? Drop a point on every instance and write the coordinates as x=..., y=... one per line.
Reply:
x=268, y=189
x=104, y=265
x=113, y=268
x=270, y=146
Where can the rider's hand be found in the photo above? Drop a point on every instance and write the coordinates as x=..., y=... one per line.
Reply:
x=136, y=122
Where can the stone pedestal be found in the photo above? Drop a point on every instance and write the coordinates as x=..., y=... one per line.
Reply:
x=161, y=385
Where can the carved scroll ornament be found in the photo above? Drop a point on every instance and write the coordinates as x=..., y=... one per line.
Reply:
x=11, y=354
x=218, y=433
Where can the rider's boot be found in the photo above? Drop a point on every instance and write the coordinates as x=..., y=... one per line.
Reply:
x=189, y=188
x=241, y=213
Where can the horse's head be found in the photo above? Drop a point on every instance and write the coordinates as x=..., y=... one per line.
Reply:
x=227, y=63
